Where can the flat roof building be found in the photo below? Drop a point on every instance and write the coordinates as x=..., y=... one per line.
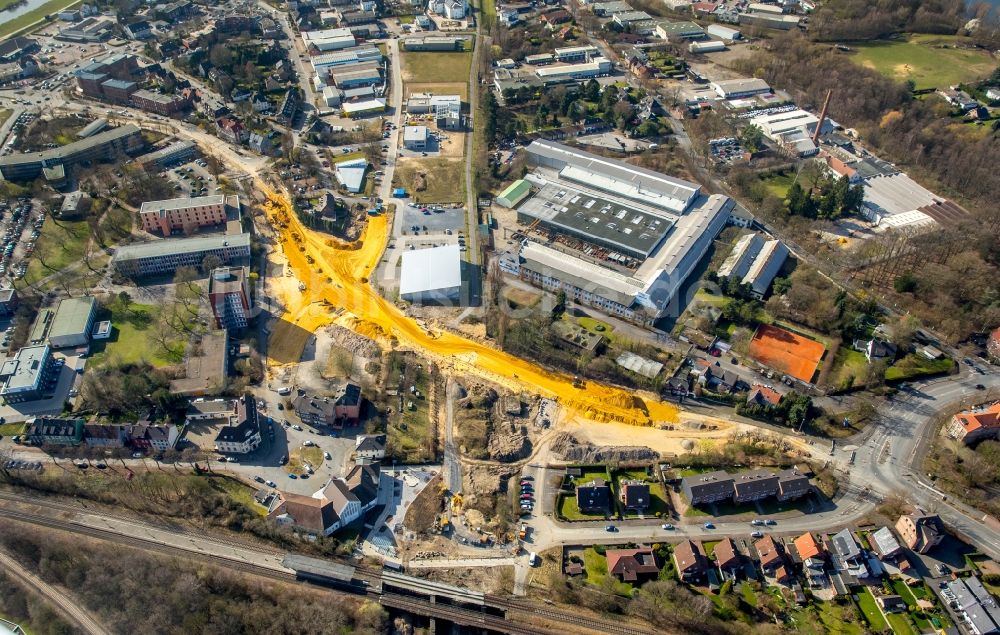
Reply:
x=182, y=214
x=27, y=376
x=329, y=39
x=415, y=137
x=596, y=67
x=165, y=256
x=351, y=174
x=101, y=146
x=646, y=186
x=73, y=322
x=672, y=31
x=174, y=153
x=431, y=276
x=229, y=296
x=736, y=88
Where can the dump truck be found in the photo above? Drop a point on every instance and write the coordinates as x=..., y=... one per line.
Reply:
x=523, y=533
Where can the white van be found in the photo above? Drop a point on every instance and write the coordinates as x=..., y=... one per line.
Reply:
x=284, y=390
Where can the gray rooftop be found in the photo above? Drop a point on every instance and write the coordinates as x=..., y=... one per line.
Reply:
x=182, y=203
x=72, y=316
x=23, y=369
x=609, y=222
x=169, y=246
x=618, y=177
x=57, y=154
x=170, y=150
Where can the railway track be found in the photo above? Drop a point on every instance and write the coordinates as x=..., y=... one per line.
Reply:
x=458, y=614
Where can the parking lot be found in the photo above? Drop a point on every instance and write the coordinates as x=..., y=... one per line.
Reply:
x=21, y=225
x=70, y=365
x=192, y=179
x=435, y=221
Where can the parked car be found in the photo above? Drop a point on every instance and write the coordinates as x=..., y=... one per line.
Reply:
x=667, y=526
x=709, y=526
x=757, y=534
x=611, y=528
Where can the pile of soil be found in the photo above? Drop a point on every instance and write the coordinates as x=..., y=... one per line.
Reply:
x=357, y=344
x=570, y=448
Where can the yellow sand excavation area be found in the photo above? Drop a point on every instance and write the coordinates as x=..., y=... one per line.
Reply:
x=334, y=275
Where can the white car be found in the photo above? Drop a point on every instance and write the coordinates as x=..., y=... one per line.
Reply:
x=326, y=455
x=667, y=526
x=307, y=444
x=271, y=484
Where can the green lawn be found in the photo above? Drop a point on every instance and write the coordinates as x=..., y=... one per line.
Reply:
x=914, y=365
x=749, y=595
x=657, y=497
x=406, y=19
x=920, y=58
x=849, y=368
x=436, y=66
x=595, y=325
x=597, y=571
x=900, y=625
x=410, y=436
x=5, y=115
x=60, y=245
x=567, y=508
x=132, y=341
x=866, y=602
x=11, y=429
x=240, y=493
x=13, y=26
x=778, y=184
x=830, y=618
x=703, y=296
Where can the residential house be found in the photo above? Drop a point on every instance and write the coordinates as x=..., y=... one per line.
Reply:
x=313, y=516
x=260, y=143
x=754, y=486
x=877, y=349
x=761, y=395
x=242, y=435
x=370, y=447
x=553, y=19
x=972, y=426
x=792, y=485
x=884, y=543
x=232, y=130
x=635, y=494
x=846, y=555
x=771, y=555
x=632, y=565
x=96, y=435
x=813, y=561
x=338, y=504
x=163, y=437
x=727, y=557
x=709, y=487
x=43, y=431
x=343, y=406
x=689, y=560
x=921, y=533
x=593, y=497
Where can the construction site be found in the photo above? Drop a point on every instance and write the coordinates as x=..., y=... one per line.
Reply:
x=333, y=287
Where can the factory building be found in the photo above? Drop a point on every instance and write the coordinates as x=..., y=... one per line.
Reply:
x=793, y=130
x=737, y=88
x=329, y=39
x=597, y=67
x=617, y=237
x=755, y=262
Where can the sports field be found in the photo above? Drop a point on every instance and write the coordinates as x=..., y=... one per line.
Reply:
x=787, y=352
x=931, y=61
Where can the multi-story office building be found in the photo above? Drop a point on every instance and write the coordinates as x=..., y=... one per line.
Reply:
x=183, y=214
x=165, y=256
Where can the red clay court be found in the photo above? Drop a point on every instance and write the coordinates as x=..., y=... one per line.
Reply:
x=787, y=352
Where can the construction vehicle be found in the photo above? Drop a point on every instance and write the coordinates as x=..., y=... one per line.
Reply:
x=456, y=502
x=577, y=382
x=523, y=533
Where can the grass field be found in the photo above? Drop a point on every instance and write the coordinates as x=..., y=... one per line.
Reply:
x=826, y=618
x=848, y=365
x=866, y=602
x=10, y=429
x=410, y=432
x=778, y=184
x=569, y=510
x=521, y=297
x=130, y=340
x=239, y=493
x=921, y=59
x=436, y=67
x=900, y=625
x=917, y=366
x=596, y=566
x=298, y=457
x=439, y=176
x=59, y=246
x=21, y=22
x=5, y=114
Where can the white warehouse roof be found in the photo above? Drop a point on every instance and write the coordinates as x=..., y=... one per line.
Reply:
x=617, y=177
x=426, y=270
